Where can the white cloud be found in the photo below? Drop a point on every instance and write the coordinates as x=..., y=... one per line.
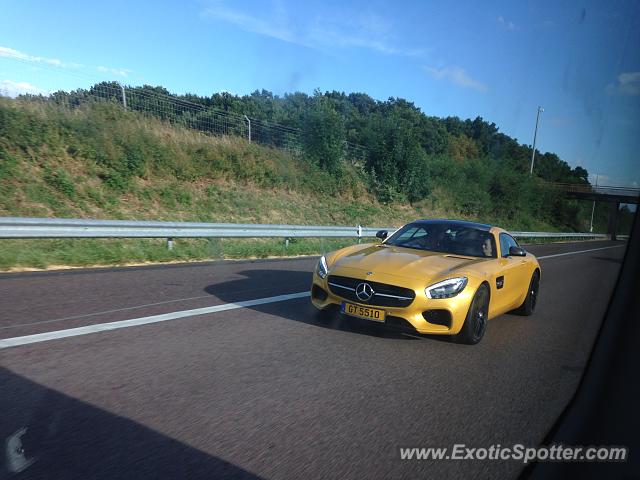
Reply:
x=627, y=84
x=506, y=24
x=12, y=53
x=456, y=75
x=9, y=88
x=122, y=72
x=365, y=30
x=275, y=29
x=333, y=38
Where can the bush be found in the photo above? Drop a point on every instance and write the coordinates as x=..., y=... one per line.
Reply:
x=59, y=180
x=115, y=180
x=8, y=164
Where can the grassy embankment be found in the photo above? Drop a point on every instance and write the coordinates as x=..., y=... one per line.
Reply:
x=101, y=162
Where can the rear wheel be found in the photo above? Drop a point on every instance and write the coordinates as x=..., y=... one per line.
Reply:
x=529, y=304
x=476, y=322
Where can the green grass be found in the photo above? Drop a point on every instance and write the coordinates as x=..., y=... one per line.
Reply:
x=542, y=241
x=99, y=161
x=41, y=254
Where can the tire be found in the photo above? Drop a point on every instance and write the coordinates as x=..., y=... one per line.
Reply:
x=529, y=304
x=475, y=324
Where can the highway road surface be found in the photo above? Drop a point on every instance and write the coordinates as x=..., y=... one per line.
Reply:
x=222, y=369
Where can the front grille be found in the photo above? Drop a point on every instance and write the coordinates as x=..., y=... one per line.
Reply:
x=384, y=296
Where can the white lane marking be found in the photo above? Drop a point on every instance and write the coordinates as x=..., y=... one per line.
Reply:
x=116, y=310
x=579, y=251
x=102, y=327
x=124, y=309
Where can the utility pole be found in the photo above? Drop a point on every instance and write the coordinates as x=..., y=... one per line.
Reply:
x=535, y=135
x=593, y=208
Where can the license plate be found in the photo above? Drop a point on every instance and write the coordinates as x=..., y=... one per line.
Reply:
x=359, y=311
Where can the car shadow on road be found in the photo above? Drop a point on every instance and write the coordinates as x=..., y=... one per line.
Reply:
x=47, y=434
x=261, y=283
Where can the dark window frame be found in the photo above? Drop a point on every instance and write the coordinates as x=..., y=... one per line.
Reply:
x=507, y=236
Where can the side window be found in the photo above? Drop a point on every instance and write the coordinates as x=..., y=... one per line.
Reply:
x=420, y=233
x=504, y=245
x=506, y=242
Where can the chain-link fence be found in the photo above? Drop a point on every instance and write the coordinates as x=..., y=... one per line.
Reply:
x=199, y=117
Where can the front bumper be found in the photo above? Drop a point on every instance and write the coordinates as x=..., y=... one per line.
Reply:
x=453, y=310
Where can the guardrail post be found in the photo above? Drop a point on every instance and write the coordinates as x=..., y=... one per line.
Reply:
x=170, y=243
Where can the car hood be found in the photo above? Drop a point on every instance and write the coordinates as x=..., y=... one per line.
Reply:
x=403, y=262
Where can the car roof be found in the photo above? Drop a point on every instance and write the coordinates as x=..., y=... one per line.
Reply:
x=456, y=223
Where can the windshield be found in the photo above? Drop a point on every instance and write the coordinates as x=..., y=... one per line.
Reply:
x=445, y=238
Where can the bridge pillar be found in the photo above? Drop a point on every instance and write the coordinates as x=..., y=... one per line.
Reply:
x=613, y=219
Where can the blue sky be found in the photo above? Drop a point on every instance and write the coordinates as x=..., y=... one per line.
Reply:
x=579, y=60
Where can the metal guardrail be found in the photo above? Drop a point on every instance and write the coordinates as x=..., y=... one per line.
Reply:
x=16, y=227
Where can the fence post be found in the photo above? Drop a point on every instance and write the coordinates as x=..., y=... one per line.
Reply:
x=124, y=96
x=249, y=122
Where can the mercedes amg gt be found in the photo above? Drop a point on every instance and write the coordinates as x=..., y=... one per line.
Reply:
x=431, y=276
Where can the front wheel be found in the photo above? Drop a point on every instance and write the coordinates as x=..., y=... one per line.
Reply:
x=476, y=322
x=529, y=304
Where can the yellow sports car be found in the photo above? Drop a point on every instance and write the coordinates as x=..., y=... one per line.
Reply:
x=431, y=276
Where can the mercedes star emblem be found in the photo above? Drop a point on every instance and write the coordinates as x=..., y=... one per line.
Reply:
x=364, y=292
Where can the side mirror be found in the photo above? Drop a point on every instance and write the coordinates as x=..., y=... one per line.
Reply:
x=382, y=234
x=517, y=252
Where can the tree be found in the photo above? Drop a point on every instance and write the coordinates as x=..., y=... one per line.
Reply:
x=323, y=135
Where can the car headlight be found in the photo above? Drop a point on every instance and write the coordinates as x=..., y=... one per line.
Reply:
x=321, y=269
x=447, y=288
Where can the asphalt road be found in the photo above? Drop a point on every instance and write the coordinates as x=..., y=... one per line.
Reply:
x=270, y=391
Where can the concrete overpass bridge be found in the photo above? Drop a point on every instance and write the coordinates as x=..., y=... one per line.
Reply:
x=612, y=195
